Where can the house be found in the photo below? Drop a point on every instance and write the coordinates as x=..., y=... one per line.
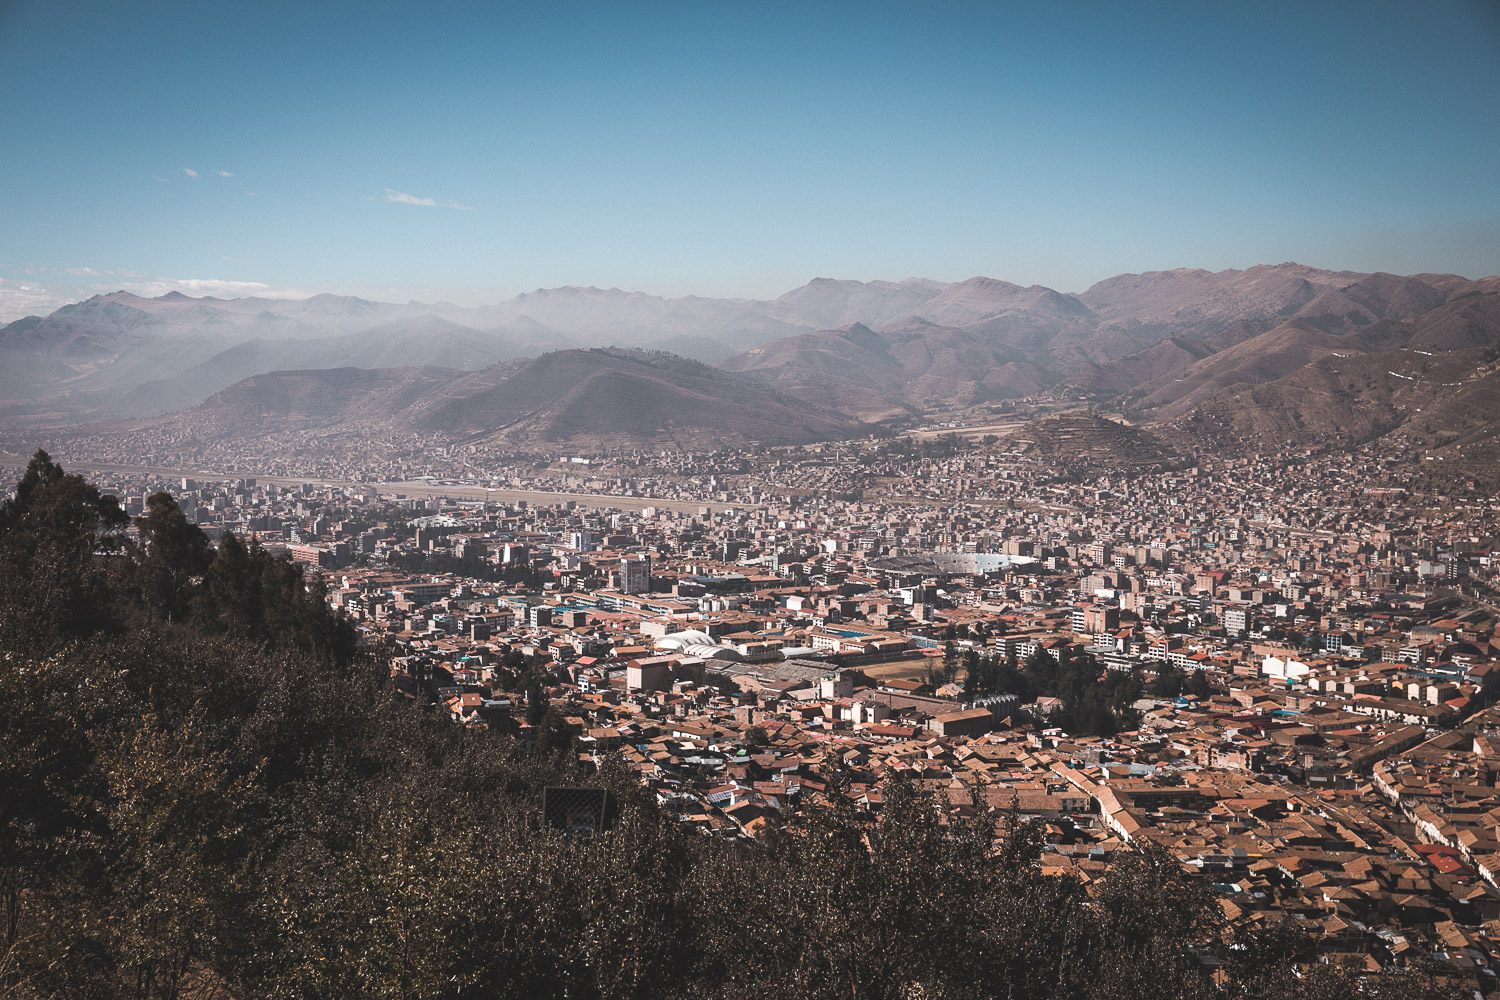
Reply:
x=970, y=722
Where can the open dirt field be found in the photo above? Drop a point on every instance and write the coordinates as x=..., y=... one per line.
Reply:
x=968, y=433
x=911, y=669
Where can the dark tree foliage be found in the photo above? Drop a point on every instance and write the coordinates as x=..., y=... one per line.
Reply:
x=1197, y=684
x=1169, y=681
x=1094, y=700
x=58, y=560
x=250, y=594
x=537, y=703
x=206, y=791
x=173, y=551
x=553, y=734
x=979, y=674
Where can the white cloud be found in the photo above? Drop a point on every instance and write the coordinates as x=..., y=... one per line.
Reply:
x=18, y=299
x=225, y=173
x=190, y=171
x=398, y=198
x=21, y=297
x=219, y=288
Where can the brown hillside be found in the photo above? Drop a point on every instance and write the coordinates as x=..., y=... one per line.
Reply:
x=1270, y=356
x=612, y=396
x=1084, y=440
x=1338, y=402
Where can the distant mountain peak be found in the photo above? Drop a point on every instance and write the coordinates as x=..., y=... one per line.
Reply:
x=981, y=281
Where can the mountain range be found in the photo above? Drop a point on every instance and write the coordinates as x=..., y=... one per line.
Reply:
x=1230, y=355
x=598, y=397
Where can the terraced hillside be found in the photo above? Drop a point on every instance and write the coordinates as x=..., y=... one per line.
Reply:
x=1087, y=440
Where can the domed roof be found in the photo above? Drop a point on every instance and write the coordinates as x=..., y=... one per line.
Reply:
x=705, y=652
x=682, y=640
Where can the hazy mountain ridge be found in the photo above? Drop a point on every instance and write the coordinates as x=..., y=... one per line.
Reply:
x=1146, y=341
x=83, y=358
x=604, y=397
x=287, y=400
x=1159, y=344
x=428, y=341
x=613, y=396
x=1407, y=360
x=1369, y=314
x=877, y=376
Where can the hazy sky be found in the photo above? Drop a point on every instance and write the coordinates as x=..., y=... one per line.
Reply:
x=472, y=151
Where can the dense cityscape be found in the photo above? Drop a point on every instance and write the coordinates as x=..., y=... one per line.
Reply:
x=1279, y=669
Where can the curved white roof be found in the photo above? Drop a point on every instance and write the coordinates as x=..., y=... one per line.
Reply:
x=682, y=640
x=705, y=652
x=694, y=642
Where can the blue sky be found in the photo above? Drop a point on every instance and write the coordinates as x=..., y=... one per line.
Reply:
x=473, y=151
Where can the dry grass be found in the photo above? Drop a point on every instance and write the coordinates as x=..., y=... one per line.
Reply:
x=911, y=669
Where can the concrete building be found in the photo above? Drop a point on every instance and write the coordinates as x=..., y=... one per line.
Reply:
x=635, y=575
x=649, y=674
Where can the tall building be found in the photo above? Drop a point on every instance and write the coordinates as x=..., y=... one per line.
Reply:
x=1095, y=619
x=635, y=575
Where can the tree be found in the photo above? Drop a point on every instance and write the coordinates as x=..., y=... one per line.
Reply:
x=1009, y=679
x=553, y=733
x=537, y=703
x=52, y=534
x=250, y=593
x=48, y=776
x=1041, y=663
x=1263, y=962
x=1149, y=912
x=979, y=674
x=178, y=860
x=1021, y=906
x=172, y=552
x=849, y=904
x=1168, y=682
x=1197, y=684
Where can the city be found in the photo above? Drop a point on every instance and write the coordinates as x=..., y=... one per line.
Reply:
x=1287, y=665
